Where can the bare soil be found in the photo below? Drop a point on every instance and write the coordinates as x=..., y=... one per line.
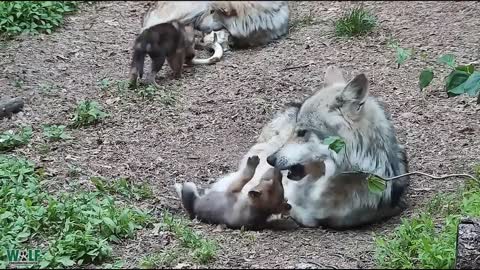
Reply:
x=221, y=109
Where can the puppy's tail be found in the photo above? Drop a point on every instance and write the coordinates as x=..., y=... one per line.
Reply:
x=188, y=194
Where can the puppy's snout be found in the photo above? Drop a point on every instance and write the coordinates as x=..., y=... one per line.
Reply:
x=272, y=160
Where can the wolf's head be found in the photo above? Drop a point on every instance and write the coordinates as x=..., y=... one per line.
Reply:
x=341, y=108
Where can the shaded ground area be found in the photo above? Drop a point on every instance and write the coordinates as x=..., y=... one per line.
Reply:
x=220, y=110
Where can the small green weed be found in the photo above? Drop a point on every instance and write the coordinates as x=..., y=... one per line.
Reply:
x=355, y=22
x=203, y=250
x=88, y=113
x=402, y=54
x=124, y=187
x=104, y=84
x=302, y=22
x=420, y=243
x=33, y=17
x=55, y=132
x=75, y=228
x=11, y=139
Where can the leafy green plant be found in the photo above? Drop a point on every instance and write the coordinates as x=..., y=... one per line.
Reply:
x=76, y=228
x=462, y=79
x=420, y=242
x=33, y=17
x=358, y=21
x=11, y=139
x=124, y=187
x=55, y=132
x=88, y=113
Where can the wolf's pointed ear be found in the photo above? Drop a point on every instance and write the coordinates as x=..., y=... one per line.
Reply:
x=333, y=75
x=356, y=90
x=254, y=194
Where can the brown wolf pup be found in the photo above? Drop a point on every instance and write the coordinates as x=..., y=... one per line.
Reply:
x=172, y=41
x=234, y=208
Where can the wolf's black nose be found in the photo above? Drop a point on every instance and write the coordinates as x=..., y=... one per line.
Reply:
x=271, y=160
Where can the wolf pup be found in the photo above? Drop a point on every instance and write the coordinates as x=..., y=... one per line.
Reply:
x=232, y=207
x=341, y=199
x=172, y=41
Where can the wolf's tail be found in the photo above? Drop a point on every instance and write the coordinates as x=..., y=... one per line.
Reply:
x=188, y=194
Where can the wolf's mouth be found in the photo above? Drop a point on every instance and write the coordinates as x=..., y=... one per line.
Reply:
x=296, y=172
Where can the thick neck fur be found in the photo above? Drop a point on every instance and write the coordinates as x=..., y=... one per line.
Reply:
x=255, y=16
x=373, y=147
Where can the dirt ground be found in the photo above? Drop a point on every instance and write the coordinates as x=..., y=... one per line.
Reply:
x=221, y=109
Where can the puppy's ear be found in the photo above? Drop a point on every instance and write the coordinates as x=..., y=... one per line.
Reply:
x=254, y=194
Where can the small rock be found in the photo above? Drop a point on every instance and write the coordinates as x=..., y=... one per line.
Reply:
x=306, y=266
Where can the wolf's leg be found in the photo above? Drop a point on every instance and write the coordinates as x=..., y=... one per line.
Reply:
x=244, y=176
x=302, y=217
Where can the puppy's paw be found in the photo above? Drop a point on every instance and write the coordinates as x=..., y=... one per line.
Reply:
x=253, y=161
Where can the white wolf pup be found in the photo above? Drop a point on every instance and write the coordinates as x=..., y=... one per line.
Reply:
x=339, y=199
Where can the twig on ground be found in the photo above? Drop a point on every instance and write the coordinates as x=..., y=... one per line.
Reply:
x=295, y=67
x=420, y=173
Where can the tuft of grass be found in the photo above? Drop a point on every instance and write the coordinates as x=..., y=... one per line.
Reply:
x=88, y=113
x=124, y=187
x=33, y=17
x=11, y=139
x=71, y=229
x=55, y=132
x=203, y=249
x=165, y=258
x=355, y=22
x=423, y=242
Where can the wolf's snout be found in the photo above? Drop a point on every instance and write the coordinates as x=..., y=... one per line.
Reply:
x=272, y=160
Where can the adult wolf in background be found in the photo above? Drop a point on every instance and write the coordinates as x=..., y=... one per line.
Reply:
x=247, y=23
x=339, y=199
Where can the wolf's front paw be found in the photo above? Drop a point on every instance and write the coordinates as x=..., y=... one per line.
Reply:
x=253, y=161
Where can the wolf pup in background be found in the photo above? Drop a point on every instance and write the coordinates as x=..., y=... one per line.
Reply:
x=172, y=41
x=234, y=208
x=340, y=199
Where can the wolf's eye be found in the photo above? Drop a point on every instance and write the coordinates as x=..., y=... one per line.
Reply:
x=212, y=11
x=301, y=132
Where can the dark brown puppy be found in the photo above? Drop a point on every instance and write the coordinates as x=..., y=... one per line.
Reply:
x=172, y=41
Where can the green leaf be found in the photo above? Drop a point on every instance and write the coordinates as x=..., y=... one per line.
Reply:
x=66, y=261
x=454, y=81
x=335, y=143
x=376, y=184
x=468, y=68
x=448, y=59
x=109, y=223
x=426, y=77
x=472, y=85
